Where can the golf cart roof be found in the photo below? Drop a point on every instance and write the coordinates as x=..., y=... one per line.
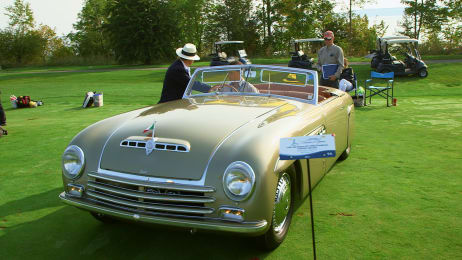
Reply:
x=309, y=40
x=402, y=41
x=228, y=42
x=393, y=37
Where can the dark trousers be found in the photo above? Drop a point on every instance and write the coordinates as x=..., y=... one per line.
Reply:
x=2, y=115
x=328, y=83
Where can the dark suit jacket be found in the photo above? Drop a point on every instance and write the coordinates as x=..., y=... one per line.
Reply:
x=175, y=82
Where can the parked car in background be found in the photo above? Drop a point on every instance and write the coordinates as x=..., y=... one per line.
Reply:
x=227, y=51
x=211, y=160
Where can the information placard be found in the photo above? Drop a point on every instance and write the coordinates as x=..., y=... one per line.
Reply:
x=307, y=147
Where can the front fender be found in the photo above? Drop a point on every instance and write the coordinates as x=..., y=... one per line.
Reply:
x=92, y=140
x=258, y=145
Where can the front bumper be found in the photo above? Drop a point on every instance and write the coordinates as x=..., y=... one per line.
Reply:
x=242, y=227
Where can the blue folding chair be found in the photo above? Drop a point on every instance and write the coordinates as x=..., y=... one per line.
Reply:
x=382, y=91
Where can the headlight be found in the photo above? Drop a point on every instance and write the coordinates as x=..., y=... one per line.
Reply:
x=238, y=181
x=73, y=161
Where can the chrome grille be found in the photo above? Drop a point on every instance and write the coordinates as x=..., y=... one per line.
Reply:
x=161, y=146
x=152, y=197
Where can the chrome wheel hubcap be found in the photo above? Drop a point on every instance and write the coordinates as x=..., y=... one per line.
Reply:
x=282, y=203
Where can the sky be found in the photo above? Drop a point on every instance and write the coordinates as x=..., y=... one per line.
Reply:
x=61, y=14
x=58, y=14
x=390, y=11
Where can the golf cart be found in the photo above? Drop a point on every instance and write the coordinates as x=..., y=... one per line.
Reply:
x=407, y=47
x=299, y=58
x=233, y=48
x=378, y=54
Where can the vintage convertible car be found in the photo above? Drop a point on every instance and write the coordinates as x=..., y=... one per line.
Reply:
x=210, y=161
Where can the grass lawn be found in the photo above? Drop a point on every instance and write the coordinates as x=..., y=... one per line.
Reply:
x=398, y=195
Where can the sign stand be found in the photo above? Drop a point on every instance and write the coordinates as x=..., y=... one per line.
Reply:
x=308, y=147
x=311, y=211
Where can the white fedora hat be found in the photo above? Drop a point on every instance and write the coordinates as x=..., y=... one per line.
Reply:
x=188, y=52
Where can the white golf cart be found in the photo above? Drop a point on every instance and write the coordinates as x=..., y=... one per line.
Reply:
x=299, y=58
x=227, y=51
x=407, y=48
x=379, y=52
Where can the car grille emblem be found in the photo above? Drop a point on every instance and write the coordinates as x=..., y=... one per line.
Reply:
x=151, y=143
x=162, y=192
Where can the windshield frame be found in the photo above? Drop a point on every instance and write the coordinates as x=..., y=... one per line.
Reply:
x=250, y=67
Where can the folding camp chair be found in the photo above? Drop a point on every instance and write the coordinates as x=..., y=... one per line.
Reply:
x=382, y=91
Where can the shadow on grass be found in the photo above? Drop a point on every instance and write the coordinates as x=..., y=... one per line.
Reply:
x=80, y=108
x=72, y=233
x=32, y=203
x=373, y=107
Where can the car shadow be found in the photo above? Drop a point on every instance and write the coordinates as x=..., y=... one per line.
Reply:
x=35, y=202
x=67, y=232
x=373, y=107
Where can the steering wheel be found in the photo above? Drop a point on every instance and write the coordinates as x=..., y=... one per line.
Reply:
x=220, y=87
x=409, y=59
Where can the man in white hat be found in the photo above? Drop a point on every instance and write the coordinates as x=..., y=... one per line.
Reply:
x=179, y=74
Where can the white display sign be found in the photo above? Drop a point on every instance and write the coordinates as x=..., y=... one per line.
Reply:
x=307, y=147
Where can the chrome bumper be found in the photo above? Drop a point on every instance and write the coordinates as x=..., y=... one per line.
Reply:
x=244, y=227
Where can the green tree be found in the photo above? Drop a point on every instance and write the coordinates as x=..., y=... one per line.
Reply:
x=300, y=19
x=20, y=16
x=232, y=20
x=427, y=15
x=356, y=3
x=53, y=45
x=192, y=22
x=6, y=44
x=142, y=30
x=23, y=43
x=90, y=38
x=268, y=16
x=362, y=38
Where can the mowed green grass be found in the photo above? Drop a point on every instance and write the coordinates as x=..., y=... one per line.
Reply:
x=398, y=195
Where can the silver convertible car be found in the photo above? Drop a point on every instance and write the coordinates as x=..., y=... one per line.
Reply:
x=210, y=161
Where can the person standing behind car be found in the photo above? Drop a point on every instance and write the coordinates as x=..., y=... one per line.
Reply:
x=330, y=54
x=2, y=112
x=178, y=74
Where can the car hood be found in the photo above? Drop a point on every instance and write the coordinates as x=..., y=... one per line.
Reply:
x=199, y=125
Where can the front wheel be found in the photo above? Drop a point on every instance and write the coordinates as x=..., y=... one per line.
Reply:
x=423, y=73
x=282, y=213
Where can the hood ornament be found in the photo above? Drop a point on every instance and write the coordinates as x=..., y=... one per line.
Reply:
x=150, y=144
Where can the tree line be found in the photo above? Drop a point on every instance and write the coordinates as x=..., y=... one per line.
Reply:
x=148, y=31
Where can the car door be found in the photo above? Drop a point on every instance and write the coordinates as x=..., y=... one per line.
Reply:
x=336, y=123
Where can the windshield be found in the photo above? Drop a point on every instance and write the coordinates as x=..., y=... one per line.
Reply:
x=256, y=80
x=401, y=50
